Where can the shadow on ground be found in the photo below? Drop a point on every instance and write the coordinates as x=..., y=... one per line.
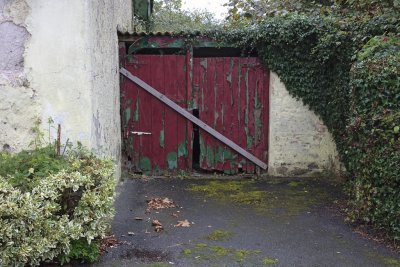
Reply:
x=237, y=223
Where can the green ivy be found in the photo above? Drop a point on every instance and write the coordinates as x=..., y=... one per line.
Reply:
x=373, y=134
x=347, y=71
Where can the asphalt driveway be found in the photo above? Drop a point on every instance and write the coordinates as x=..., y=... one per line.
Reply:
x=236, y=222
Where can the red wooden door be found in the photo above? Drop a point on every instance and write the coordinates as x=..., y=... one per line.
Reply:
x=231, y=95
x=155, y=137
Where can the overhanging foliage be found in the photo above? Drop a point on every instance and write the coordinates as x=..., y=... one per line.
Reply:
x=350, y=78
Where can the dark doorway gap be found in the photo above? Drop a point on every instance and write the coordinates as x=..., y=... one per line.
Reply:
x=196, y=143
x=222, y=52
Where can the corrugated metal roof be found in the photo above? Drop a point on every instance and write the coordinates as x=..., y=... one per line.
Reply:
x=177, y=34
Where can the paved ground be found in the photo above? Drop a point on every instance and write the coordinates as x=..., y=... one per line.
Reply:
x=238, y=223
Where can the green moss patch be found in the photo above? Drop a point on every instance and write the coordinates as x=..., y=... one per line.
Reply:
x=220, y=254
x=219, y=235
x=268, y=261
x=285, y=199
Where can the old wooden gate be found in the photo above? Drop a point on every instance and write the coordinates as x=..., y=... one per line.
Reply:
x=230, y=94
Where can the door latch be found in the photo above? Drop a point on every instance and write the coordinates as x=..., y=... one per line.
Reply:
x=141, y=133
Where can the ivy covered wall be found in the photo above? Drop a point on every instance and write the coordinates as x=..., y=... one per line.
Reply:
x=347, y=71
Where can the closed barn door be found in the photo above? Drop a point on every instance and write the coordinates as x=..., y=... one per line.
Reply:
x=230, y=94
x=155, y=137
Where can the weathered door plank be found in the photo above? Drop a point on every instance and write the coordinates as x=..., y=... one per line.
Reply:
x=192, y=118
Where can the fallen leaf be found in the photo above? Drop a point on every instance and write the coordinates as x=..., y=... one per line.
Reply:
x=174, y=215
x=159, y=203
x=109, y=242
x=184, y=223
x=157, y=226
x=156, y=223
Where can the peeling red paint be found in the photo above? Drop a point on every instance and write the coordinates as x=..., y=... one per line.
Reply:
x=231, y=94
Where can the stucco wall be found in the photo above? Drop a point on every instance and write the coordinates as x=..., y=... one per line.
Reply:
x=105, y=90
x=18, y=100
x=299, y=142
x=59, y=59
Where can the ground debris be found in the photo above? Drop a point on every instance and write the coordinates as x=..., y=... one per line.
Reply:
x=109, y=242
x=184, y=223
x=157, y=226
x=159, y=203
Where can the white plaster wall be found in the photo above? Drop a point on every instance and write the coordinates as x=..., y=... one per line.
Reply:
x=299, y=142
x=64, y=65
x=18, y=100
x=105, y=18
x=57, y=61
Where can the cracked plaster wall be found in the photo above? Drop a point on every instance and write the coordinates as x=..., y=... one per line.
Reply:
x=59, y=59
x=299, y=142
x=18, y=100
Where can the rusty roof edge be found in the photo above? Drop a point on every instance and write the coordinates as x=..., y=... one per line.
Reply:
x=142, y=40
x=158, y=33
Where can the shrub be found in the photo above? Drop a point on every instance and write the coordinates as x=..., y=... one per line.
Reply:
x=373, y=135
x=81, y=250
x=45, y=207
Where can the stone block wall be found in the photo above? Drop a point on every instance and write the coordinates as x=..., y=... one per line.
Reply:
x=299, y=142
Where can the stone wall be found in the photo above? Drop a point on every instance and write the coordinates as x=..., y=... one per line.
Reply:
x=59, y=59
x=299, y=142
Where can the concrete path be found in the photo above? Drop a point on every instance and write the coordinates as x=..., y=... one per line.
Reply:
x=238, y=223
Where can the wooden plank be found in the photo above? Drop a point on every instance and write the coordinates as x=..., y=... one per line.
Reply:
x=132, y=95
x=219, y=112
x=243, y=84
x=189, y=106
x=261, y=114
x=180, y=80
x=157, y=128
x=192, y=118
x=235, y=108
x=230, y=110
x=250, y=136
x=145, y=117
x=171, y=118
x=207, y=115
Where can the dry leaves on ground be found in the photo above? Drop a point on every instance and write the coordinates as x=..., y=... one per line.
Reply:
x=159, y=203
x=157, y=226
x=109, y=242
x=184, y=223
